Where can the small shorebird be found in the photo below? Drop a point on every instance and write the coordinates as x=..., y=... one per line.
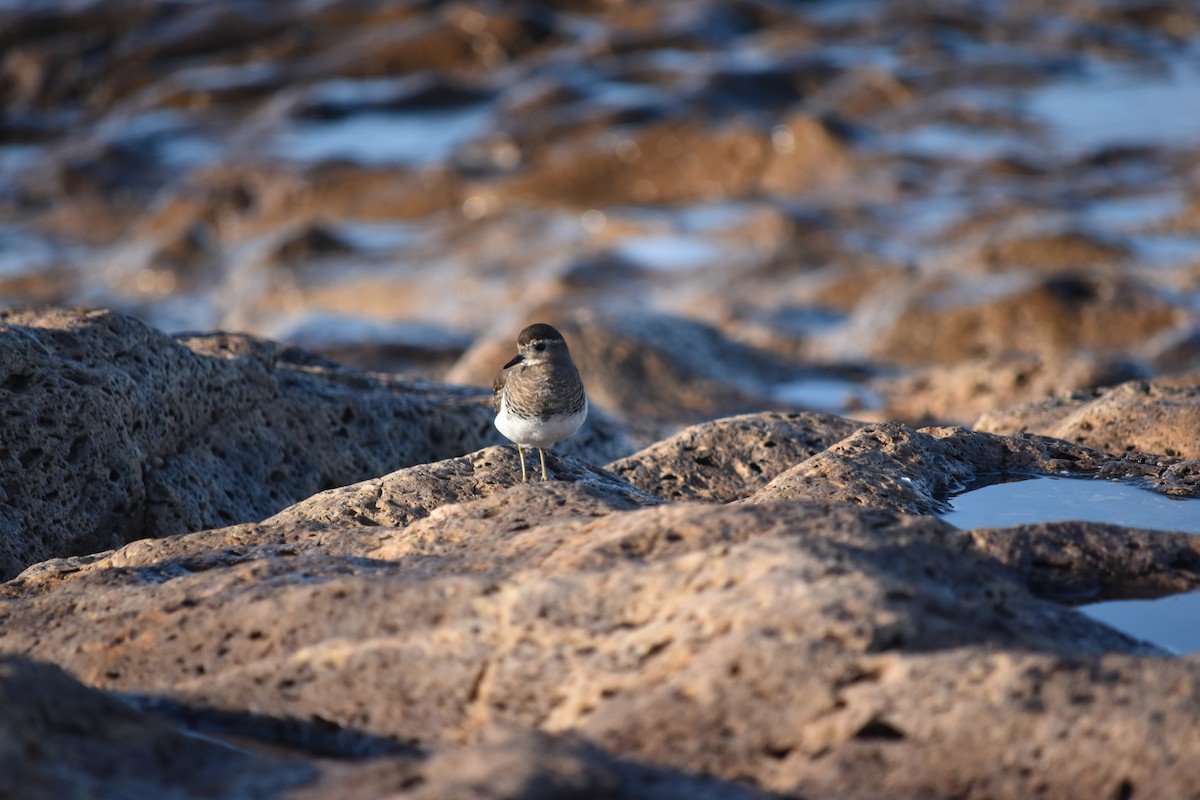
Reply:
x=538, y=396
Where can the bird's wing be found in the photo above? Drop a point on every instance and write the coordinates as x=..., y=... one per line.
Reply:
x=498, y=383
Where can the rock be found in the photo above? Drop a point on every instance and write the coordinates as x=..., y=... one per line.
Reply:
x=463, y=40
x=628, y=557
x=510, y=762
x=911, y=727
x=957, y=394
x=45, y=285
x=680, y=161
x=1178, y=357
x=730, y=458
x=411, y=494
x=1054, y=252
x=1135, y=416
x=895, y=467
x=1080, y=562
x=116, y=432
x=937, y=322
x=756, y=643
x=717, y=201
x=315, y=241
x=884, y=466
x=59, y=738
x=519, y=764
x=456, y=501
x=63, y=739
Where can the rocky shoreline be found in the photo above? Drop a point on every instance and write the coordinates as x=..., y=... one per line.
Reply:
x=821, y=264
x=760, y=605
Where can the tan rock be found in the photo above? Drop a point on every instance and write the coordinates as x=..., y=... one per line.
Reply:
x=805, y=154
x=59, y=739
x=856, y=193
x=766, y=643
x=730, y=458
x=413, y=493
x=62, y=739
x=956, y=394
x=895, y=467
x=1054, y=252
x=1135, y=416
x=1078, y=562
x=940, y=321
x=115, y=431
x=511, y=762
x=999, y=725
x=670, y=162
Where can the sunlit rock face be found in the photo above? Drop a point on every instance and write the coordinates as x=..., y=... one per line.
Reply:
x=261, y=261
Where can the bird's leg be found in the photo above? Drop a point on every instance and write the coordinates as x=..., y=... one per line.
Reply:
x=542, y=453
x=521, y=455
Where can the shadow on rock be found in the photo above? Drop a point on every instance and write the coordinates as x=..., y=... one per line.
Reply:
x=62, y=739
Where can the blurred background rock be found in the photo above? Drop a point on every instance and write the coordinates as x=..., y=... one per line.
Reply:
x=912, y=209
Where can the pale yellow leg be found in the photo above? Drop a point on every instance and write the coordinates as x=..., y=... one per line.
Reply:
x=521, y=455
x=542, y=453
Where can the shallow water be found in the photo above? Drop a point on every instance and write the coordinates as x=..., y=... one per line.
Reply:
x=668, y=253
x=1114, y=105
x=954, y=141
x=1171, y=622
x=1166, y=251
x=385, y=138
x=378, y=235
x=1052, y=499
x=175, y=139
x=1135, y=211
x=828, y=395
x=21, y=252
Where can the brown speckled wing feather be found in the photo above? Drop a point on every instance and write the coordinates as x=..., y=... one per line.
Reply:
x=497, y=391
x=544, y=390
x=500, y=380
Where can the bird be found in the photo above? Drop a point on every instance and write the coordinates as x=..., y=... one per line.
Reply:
x=538, y=396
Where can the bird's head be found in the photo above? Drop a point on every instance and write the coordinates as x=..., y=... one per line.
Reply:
x=540, y=342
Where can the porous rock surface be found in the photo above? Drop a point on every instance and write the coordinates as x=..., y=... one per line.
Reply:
x=892, y=466
x=413, y=493
x=936, y=322
x=56, y=733
x=880, y=192
x=729, y=458
x=1076, y=562
x=804, y=647
x=1134, y=416
x=114, y=431
x=783, y=617
x=956, y=394
x=59, y=738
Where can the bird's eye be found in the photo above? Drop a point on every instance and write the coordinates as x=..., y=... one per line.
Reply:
x=540, y=347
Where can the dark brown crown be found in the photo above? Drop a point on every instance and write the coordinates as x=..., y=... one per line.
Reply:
x=539, y=332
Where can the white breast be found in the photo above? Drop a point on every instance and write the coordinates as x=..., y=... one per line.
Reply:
x=535, y=432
